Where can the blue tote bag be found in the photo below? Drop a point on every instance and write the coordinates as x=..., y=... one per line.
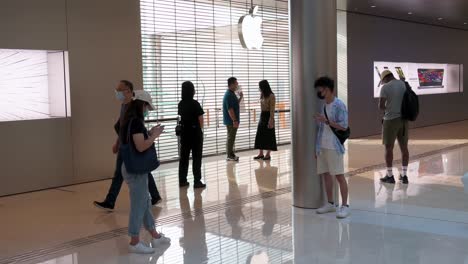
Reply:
x=138, y=162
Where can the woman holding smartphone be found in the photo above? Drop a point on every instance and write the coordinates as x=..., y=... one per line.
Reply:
x=140, y=203
x=266, y=137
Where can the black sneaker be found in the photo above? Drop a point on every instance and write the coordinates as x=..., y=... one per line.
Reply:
x=235, y=158
x=199, y=185
x=156, y=201
x=104, y=206
x=404, y=179
x=184, y=184
x=388, y=179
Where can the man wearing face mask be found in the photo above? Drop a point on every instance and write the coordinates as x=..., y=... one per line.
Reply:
x=329, y=150
x=231, y=116
x=124, y=93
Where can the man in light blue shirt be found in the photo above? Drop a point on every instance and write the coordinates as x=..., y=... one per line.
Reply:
x=329, y=150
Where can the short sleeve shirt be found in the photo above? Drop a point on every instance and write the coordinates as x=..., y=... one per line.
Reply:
x=393, y=92
x=328, y=137
x=189, y=112
x=137, y=127
x=230, y=101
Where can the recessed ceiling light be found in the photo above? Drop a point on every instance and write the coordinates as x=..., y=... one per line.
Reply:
x=373, y=6
x=466, y=23
x=410, y=13
x=439, y=18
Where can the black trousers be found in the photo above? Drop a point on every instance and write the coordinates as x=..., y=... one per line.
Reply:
x=191, y=140
x=117, y=181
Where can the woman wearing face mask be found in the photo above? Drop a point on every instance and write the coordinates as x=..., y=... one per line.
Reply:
x=140, y=204
x=266, y=136
x=123, y=92
x=191, y=138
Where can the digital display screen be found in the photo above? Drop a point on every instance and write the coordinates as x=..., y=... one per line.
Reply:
x=429, y=78
x=424, y=78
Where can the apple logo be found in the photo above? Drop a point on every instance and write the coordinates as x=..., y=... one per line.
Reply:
x=250, y=30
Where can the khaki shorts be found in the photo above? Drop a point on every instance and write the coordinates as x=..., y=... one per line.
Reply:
x=330, y=161
x=395, y=129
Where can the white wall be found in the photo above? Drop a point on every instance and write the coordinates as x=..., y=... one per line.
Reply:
x=103, y=39
x=379, y=39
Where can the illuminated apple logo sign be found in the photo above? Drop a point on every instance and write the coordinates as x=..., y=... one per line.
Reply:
x=250, y=30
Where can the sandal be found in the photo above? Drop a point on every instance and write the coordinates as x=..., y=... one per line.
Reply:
x=259, y=157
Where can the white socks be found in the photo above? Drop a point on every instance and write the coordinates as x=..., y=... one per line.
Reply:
x=390, y=172
x=404, y=170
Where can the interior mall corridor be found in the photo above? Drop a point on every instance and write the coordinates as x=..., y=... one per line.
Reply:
x=245, y=213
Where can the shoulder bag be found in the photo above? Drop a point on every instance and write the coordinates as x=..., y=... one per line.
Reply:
x=138, y=162
x=342, y=135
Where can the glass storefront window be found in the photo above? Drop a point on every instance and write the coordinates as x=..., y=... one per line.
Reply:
x=199, y=41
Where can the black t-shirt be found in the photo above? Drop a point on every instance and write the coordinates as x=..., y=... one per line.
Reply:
x=190, y=111
x=137, y=127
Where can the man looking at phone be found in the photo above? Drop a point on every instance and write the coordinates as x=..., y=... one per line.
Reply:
x=394, y=127
x=124, y=93
x=231, y=116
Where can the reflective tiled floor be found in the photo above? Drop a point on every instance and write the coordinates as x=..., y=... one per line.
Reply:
x=245, y=214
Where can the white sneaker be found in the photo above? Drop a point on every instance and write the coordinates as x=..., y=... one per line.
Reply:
x=328, y=208
x=343, y=212
x=141, y=248
x=160, y=241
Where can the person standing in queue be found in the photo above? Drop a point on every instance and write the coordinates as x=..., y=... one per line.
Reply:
x=231, y=116
x=266, y=137
x=124, y=93
x=191, y=138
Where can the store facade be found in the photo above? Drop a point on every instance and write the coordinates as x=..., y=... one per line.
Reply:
x=200, y=41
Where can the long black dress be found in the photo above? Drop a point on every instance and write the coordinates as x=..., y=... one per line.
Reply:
x=266, y=137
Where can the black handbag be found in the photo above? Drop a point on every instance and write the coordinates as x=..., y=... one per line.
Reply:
x=179, y=128
x=342, y=135
x=138, y=162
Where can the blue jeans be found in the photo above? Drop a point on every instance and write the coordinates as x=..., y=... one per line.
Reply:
x=117, y=181
x=140, y=203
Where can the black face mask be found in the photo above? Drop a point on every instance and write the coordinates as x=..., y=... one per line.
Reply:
x=320, y=96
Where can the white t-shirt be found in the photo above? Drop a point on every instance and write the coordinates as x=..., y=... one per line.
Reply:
x=328, y=138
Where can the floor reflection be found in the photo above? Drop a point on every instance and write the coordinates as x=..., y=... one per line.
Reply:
x=193, y=240
x=234, y=214
x=266, y=177
x=245, y=216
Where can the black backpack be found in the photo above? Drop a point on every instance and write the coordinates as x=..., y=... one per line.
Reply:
x=410, y=104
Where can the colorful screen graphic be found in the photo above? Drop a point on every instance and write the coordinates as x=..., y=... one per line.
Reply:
x=430, y=77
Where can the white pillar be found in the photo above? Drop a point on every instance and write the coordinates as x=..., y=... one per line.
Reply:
x=313, y=29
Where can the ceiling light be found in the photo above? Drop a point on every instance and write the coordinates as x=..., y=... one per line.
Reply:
x=466, y=23
x=373, y=6
x=410, y=13
x=439, y=18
